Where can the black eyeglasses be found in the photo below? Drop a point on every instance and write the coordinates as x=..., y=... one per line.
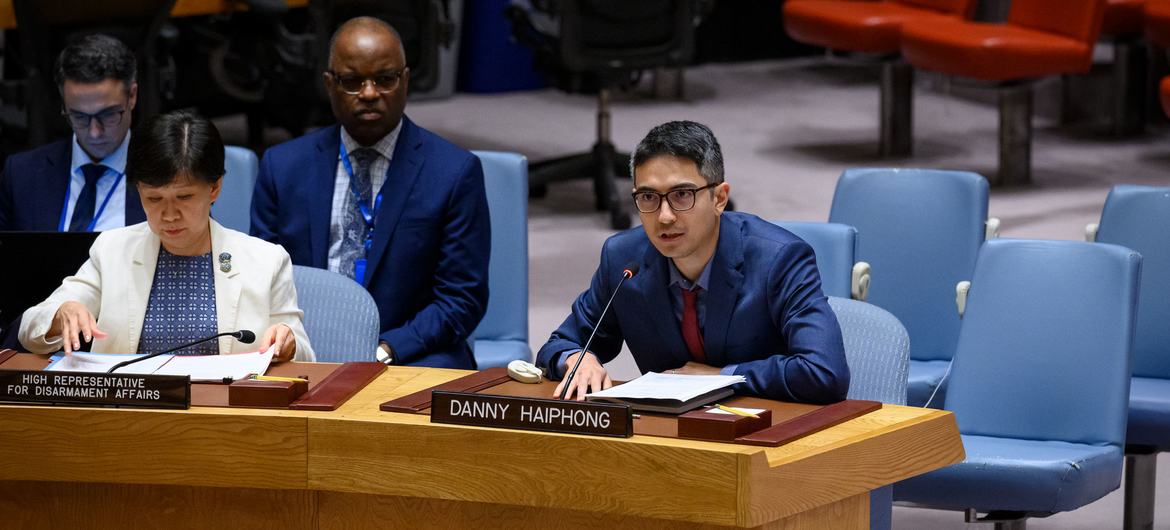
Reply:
x=107, y=118
x=680, y=200
x=353, y=84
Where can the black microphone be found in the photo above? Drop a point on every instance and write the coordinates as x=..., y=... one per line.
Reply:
x=628, y=272
x=245, y=336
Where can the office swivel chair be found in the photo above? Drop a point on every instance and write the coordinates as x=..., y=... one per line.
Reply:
x=835, y=247
x=601, y=44
x=1040, y=383
x=44, y=28
x=502, y=336
x=1136, y=217
x=921, y=230
x=341, y=318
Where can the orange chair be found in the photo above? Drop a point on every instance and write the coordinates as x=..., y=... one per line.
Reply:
x=1041, y=38
x=1157, y=26
x=874, y=28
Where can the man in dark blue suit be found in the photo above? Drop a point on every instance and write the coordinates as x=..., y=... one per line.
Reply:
x=385, y=202
x=78, y=184
x=716, y=292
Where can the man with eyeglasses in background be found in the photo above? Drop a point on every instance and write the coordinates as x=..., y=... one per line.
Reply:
x=78, y=184
x=384, y=201
x=716, y=292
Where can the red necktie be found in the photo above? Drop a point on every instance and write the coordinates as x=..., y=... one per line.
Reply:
x=690, y=326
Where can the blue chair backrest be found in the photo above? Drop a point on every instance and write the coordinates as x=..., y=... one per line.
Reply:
x=341, y=318
x=920, y=230
x=233, y=208
x=877, y=348
x=506, y=182
x=1138, y=217
x=1044, y=353
x=835, y=246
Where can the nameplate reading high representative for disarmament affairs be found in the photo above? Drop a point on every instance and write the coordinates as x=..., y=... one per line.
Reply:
x=532, y=414
x=83, y=388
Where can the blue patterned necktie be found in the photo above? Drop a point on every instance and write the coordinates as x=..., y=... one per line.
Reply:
x=354, y=238
x=87, y=199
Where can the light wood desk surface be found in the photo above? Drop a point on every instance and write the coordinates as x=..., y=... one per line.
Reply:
x=183, y=8
x=358, y=466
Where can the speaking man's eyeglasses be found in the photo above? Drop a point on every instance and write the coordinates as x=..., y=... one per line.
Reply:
x=680, y=200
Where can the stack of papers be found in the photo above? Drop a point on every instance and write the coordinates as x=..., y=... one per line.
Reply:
x=670, y=393
x=214, y=368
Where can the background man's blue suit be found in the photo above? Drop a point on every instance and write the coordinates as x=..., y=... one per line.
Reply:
x=429, y=261
x=765, y=312
x=33, y=186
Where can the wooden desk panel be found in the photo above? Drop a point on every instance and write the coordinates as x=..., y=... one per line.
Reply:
x=151, y=447
x=182, y=8
x=418, y=474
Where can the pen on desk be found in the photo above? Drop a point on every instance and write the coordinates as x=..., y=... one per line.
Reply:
x=734, y=410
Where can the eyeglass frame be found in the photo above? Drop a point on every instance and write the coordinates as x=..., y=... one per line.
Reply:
x=665, y=197
x=396, y=74
x=89, y=118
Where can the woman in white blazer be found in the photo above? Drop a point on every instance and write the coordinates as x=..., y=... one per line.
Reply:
x=179, y=276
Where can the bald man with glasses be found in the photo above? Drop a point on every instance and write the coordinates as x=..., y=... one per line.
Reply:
x=717, y=292
x=385, y=202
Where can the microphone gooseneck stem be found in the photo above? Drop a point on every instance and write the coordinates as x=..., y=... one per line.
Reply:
x=172, y=350
x=626, y=274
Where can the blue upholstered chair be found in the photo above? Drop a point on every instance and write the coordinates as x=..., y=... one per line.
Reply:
x=233, y=209
x=341, y=317
x=835, y=246
x=1040, y=382
x=920, y=230
x=502, y=335
x=1137, y=217
x=878, y=350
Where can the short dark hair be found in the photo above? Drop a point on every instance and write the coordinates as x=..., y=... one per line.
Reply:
x=173, y=144
x=685, y=139
x=95, y=58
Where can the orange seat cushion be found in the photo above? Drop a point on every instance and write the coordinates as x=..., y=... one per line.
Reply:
x=1164, y=91
x=992, y=52
x=1123, y=16
x=871, y=27
x=1157, y=21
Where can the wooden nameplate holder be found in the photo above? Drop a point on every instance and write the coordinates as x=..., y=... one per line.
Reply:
x=789, y=421
x=330, y=385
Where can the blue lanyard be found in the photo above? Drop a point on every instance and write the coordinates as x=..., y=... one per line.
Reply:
x=61, y=224
x=370, y=217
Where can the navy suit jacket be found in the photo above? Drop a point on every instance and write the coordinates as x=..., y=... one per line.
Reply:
x=765, y=312
x=33, y=187
x=428, y=267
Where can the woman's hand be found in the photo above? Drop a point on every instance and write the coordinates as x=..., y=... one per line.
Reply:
x=282, y=337
x=73, y=319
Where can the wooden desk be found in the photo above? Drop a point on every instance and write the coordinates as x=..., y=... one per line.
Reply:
x=358, y=467
x=182, y=8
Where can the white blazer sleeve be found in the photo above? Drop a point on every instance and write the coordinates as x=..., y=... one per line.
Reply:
x=84, y=287
x=284, y=308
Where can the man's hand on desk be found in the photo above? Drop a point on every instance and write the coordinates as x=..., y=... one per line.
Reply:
x=591, y=376
x=693, y=368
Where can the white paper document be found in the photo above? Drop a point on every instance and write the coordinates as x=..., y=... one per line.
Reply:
x=102, y=362
x=669, y=386
x=199, y=367
x=218, y=367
